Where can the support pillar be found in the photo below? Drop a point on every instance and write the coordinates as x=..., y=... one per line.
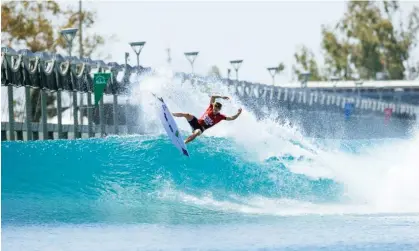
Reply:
x=75, y=117
x=11, y=113
x=115, y=114
x=102, y=118
x=28, y=113
x=44, y=114
x=81, y=114
x=59, y=115
x=89, y=115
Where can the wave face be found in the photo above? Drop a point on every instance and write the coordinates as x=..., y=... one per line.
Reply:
x=237, y=170
x=87, y=180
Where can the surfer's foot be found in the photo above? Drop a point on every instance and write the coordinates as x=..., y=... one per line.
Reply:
x=189, y=139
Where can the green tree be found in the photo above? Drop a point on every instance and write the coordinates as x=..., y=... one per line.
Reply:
x=367, y=41
x=305, y=62
x=26, y=23
x=214, y=72
x=36, y=25
x=87, y=43
x=281, y=68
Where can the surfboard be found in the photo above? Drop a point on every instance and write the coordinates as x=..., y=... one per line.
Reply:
x=170, y=126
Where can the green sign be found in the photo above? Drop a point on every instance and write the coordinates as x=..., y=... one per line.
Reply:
x=100, y=80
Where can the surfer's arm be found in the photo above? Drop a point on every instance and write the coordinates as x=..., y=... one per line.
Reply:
x=235, y=116
x=214, y=97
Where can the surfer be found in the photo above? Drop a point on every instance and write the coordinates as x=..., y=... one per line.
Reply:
x=211, y=117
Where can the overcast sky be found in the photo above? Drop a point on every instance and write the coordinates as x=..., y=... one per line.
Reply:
x=263, y=34
x=260, y=33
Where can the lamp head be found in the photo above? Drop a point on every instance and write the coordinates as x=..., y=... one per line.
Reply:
x=69, y=34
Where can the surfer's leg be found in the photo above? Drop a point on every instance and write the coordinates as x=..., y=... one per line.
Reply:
x=195, y=134
x=187, y=116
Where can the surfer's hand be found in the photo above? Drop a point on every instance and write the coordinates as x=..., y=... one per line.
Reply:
x=226, y=97
x=240, y=111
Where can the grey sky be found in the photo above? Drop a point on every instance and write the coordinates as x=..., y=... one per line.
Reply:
x=260, y=33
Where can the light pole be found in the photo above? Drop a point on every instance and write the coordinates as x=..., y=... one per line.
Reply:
x=236, y=65
x=137, y=47
x=69, y=35
x=273, y=71
x=191, y=56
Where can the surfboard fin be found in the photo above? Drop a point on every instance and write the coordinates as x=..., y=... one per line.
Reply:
x=185, y=152
x=159, y=98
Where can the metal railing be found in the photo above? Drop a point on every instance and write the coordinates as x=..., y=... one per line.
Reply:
x=53, y=74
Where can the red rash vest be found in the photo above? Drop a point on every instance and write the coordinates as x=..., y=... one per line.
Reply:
x=209, y=119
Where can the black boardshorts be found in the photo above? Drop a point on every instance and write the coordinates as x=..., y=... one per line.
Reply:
x=195, y=125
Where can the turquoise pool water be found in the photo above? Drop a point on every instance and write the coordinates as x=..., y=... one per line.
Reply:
x=140, y=193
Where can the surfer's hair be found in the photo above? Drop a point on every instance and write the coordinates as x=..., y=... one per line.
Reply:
x=218, y=105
